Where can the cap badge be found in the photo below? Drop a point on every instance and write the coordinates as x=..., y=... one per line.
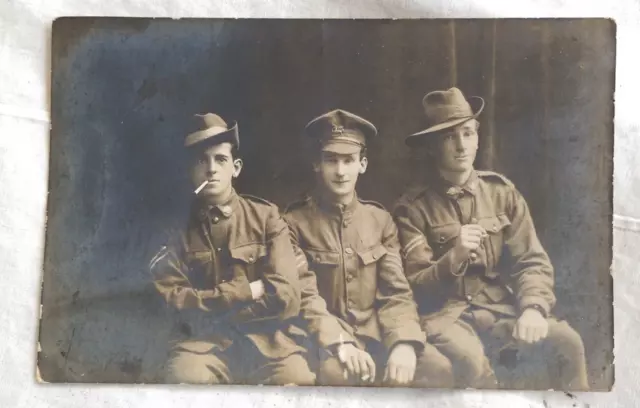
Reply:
x=337, y=129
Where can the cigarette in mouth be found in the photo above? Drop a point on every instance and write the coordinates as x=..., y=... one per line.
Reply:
x=199, y=189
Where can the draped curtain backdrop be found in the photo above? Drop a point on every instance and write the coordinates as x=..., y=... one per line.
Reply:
x=124, y=92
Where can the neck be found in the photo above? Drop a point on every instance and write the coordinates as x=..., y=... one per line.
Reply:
x=337, y=199
x=454, y=177
x=220, y=198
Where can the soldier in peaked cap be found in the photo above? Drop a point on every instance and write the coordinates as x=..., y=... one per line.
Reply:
x=356, y=302
x=454, y=231
x=232, y=272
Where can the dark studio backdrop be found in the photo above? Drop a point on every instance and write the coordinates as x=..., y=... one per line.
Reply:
x=124, y=92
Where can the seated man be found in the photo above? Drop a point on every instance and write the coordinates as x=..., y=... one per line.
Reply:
x=233, y=272
x=356, y=301
x=453, y=232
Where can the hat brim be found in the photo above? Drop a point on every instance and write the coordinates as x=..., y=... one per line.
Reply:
x=418, y=138
x=211, y=136
x=341, y=148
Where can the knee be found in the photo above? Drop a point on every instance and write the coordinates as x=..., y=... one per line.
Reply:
x=186, y=369
x=433, y=369
x=331, y=372
x=295, y=371
x=565, y=340
x=467, y=356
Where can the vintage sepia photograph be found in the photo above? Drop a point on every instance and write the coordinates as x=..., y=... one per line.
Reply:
x=374, y=203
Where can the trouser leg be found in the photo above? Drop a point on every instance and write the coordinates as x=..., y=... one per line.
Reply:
x=193, y=367
x=460, y=343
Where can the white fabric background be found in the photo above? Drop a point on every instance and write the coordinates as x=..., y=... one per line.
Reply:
x=25, y=27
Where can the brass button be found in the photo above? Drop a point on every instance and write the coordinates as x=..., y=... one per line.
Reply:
x=441, y=238
x=495, y=228
x=375, y=256
x=317, y=258
x=251, y=258
x=349, y=278
x=218, y=249
x=473, y=256
x=348, y=251
x=215, y=220
x=345, y=224
x=469, y=298
x=350, y=303
x=474, y=220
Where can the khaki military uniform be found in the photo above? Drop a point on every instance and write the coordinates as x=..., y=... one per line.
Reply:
x=205, y=271
x=355, y=290
x=465, y=303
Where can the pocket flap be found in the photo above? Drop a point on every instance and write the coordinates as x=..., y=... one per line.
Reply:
x=323, y=257
x=198, y=256
x=442, y=234
x=496, y=293
x=495, y=224
x=372, y=254
x=249, y=253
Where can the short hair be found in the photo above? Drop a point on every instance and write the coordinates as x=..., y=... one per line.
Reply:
x=431, y=143
x=197, y=149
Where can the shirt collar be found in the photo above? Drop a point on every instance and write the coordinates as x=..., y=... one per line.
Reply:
x=331, y=207
x=225, y=209
x=451, y=190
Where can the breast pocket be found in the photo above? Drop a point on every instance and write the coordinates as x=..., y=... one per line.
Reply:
x=248, y=260
x=495, y=227
x=325, y=266
x=199, y=264
x=442, y=238
x=368, y=274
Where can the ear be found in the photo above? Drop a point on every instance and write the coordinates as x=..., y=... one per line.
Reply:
x=315, y=163
x=363, y=165
x=237, y=164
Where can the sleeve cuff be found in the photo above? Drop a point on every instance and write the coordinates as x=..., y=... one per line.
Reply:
x=235, y=291
x=535, y=302
x=327, y=342
x=450, y=268
x=415, y=339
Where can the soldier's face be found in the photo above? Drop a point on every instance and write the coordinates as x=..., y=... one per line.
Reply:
x=338, y=173
x=216, y=165
x=458, y=147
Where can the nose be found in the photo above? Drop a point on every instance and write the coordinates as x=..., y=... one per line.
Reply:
x=212, y=168
x=340, y=168
x=459, y=143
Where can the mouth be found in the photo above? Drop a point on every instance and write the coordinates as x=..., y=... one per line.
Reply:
x=462, y=158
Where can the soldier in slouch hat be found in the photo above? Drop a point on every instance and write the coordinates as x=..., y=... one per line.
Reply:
x=232, y=273
x=454, y=231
